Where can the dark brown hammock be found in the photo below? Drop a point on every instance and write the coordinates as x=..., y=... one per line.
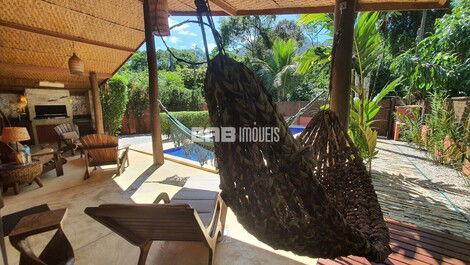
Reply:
x=313, y=197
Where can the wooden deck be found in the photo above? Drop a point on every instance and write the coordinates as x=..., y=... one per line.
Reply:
x=415, y=245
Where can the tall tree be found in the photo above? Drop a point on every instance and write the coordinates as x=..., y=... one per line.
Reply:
x=401, y=29
x=251, y=35
x=288, y=29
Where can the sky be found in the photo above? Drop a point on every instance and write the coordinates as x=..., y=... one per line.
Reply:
x=188, y=36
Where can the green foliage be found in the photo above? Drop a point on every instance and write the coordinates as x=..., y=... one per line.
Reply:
x=371, y=107
x=362, y=114
x=400, y=28
x=440, y=124
x=446, y=139
x=410, y=129
x=367, y=45
x=175, y=96
x=188, y=118
x=250, y=35
x=279, y=70
x=114, y=97
x=365, y=139
x=440, y=63
x=193, y=78
x=288, y=29
x=138, y=92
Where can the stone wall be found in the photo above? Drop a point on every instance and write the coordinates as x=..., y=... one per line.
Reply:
x=10, y=105
x=80, y=105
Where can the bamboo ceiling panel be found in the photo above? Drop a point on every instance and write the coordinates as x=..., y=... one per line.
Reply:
x=42, y=34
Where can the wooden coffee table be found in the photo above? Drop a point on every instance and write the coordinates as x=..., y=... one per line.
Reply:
x=13, y=175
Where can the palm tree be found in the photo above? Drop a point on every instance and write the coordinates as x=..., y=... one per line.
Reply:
x=279, y=70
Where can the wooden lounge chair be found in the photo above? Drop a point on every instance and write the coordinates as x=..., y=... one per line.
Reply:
x=69, y=134
x=191, y=215
x=57, y=251
x=101, y=150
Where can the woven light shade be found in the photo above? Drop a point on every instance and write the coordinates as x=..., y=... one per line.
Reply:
x=159, y=15
x=76, y=65
x=14, y=134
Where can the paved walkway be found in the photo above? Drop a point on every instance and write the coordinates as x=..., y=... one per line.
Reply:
x=407, y=195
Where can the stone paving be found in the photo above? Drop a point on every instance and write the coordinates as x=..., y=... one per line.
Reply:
x=406, y=195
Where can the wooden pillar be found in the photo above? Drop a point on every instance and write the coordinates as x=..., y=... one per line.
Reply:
x=340, y=81
x=96, y=103
x=157, y=146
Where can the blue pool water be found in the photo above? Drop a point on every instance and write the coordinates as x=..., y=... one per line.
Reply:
x=179, y=152
x=296, y=130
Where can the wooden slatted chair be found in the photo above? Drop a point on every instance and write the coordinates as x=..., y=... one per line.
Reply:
x=191, y=215
x=101, y=150
x=57, y=251
x=69, y=134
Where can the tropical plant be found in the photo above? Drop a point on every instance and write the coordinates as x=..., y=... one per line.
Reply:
x=411, y=126
x=279, y=70
x=362, y=114
x=114, y=97
x=441, y=62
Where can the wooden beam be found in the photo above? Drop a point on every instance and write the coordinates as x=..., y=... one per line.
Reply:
x=46, y=69
x=229, y=9
x=341, y=63
x=33, y=83
x=157, y=146
x=379, y=6
x=63, y=36
x=96, y=104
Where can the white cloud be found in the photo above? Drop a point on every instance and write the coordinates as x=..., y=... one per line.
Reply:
x=171, y=22
x=211, y=46
x=172, y=39
x=194, y=46
x=186, y=33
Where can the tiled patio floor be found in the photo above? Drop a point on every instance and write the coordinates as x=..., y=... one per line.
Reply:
x=94, y=244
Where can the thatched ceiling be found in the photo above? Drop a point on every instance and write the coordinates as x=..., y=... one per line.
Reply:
x=38, y=36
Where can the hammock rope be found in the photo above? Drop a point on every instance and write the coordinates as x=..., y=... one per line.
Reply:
x=311, y=196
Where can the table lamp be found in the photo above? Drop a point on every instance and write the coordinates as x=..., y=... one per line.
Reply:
x=15, y=135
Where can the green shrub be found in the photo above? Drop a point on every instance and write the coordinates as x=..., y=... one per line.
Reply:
x=175, y=96
x=114, y=97
x=188, y=118
x=410, y=130
x=138, y=93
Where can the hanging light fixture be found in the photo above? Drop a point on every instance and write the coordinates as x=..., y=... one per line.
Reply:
x=76, y=65
x=159, y=15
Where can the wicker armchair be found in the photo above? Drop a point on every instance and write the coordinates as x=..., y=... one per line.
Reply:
x=69, y=134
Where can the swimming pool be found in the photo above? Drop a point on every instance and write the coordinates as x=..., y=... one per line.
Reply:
x=296, y=130
x=194, y=156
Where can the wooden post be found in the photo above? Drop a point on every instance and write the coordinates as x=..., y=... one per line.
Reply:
x=157, y=146
x=96, y=103
x=340, y=81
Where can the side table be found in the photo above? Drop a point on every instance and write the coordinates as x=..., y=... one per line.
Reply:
x=13, y=175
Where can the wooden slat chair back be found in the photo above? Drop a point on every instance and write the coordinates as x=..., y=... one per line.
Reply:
x=102, y=149
x=177, y=220
x=70, y=144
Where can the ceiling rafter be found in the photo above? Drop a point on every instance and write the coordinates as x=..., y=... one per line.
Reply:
x=46, y=69
x=64, y=36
